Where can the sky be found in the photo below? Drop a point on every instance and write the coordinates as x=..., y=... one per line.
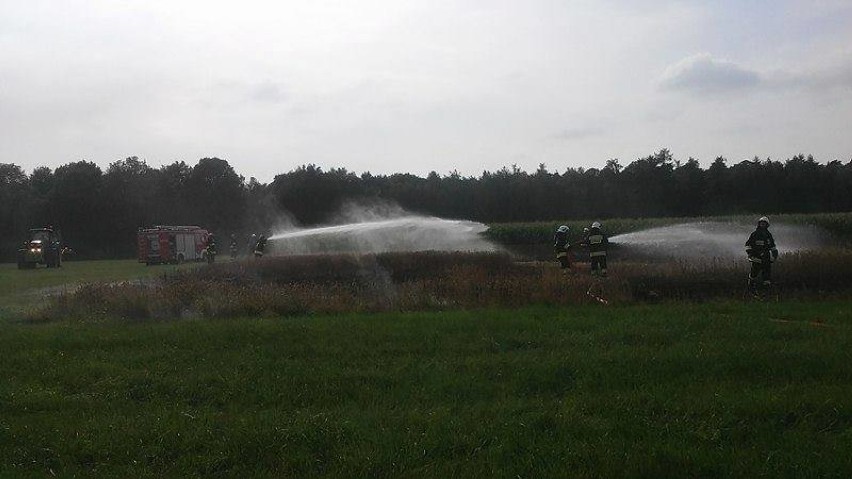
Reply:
x=413, y=86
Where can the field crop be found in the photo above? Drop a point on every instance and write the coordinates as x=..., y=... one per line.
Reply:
x=709, y=390
x=431, y=281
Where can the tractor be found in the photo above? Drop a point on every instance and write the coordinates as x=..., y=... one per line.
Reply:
x=44, y=246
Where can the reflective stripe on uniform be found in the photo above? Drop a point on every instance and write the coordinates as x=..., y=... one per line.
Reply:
x=595, y=239
x=597, y=253
x=561, y=255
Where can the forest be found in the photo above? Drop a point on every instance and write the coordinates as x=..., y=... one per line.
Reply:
x=98, y=212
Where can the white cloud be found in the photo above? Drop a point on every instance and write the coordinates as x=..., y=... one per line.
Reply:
x=702, y=73
x=579, y=133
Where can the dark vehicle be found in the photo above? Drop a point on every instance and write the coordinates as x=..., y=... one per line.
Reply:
x=44, y=246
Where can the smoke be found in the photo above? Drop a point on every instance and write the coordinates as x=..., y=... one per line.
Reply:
x=715, y=239
x=378, y=227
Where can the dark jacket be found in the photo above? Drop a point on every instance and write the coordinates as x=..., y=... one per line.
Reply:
x=761, y=244
x=560, y=242
x=597, y=242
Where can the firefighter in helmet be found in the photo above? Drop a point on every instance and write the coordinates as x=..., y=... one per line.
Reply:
x=597, y=243
x=210, y=252
x=761, y=252
x=233, y=246
x=561, y=247
x=260, y=247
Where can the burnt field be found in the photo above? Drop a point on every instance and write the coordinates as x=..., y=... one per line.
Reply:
x=430, y=281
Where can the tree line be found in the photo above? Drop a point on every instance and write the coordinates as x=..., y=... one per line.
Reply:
x=98, y=212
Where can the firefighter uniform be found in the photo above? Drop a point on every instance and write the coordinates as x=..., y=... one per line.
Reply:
x=761, y=251
x=561, y=247
x=233, y=247
x=597, y=243
x=260, y=247
x=251, y=244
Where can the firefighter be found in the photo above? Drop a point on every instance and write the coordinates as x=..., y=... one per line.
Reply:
x=211, y=248
x=233, y=246
x=561, y=247
x=260, y=247
x=761, y=252
x=252, y=244
x=597, y=243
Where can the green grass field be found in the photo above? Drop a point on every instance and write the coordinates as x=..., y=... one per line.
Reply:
x=21, y=289
x=678, y=390
x=674, y=390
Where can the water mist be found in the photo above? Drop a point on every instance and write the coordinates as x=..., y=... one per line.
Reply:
x=383, y=228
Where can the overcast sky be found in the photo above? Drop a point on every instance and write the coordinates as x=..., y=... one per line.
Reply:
x=421, y=85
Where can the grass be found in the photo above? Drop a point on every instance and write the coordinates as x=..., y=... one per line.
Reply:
x=22, y=289
x=484, y=381
x=431, y=281
x=719, y=389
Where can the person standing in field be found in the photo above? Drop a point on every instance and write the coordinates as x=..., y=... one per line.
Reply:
x=233, y=247
x=597, y=243
x=260, y=247
x=561, y=247
x=761, y=252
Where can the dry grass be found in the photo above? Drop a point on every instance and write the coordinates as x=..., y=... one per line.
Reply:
x=299, y=285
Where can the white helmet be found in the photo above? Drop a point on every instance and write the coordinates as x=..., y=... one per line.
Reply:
x=596, y=224
x=763, y=219
x=562, y=229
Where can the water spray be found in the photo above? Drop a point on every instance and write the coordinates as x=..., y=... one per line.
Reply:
x=712, y=239
x=404, y=233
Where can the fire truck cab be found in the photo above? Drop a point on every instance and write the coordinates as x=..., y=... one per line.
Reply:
x=171, y=244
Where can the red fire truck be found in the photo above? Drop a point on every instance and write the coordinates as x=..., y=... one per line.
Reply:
x=172, y=244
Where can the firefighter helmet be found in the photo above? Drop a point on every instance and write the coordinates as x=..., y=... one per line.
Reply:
x=596, y=224
x=562, y=229
x=763, y=219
